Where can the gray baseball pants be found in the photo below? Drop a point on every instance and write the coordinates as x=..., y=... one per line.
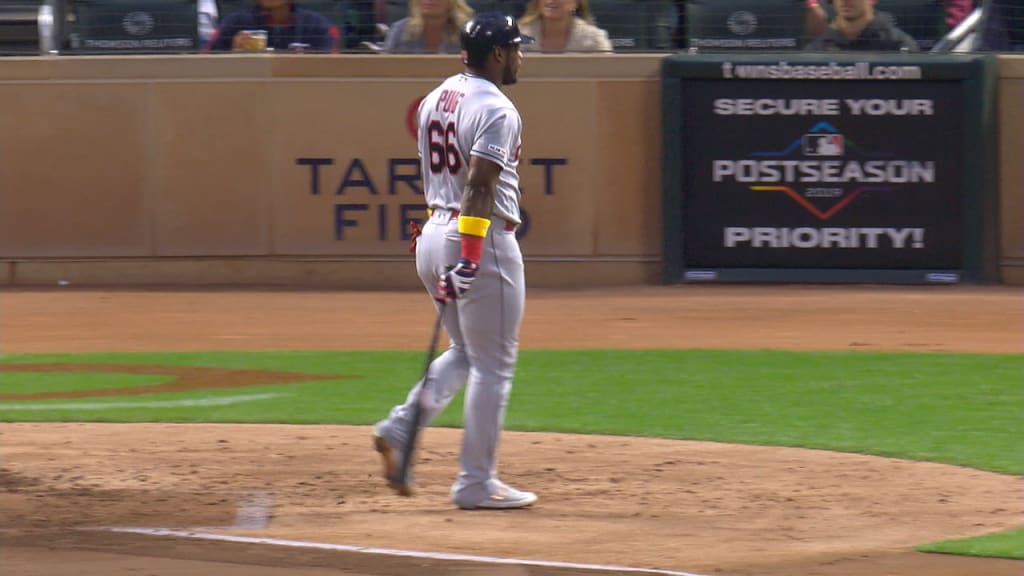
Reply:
x=483, y=327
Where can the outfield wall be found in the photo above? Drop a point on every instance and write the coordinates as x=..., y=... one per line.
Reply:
x=300, y=169
x=1010, y=131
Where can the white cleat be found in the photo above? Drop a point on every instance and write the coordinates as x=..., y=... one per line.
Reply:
x=502, y=497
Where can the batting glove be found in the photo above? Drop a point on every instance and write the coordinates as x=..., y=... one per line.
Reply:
x=456, y=281
x=414, y=234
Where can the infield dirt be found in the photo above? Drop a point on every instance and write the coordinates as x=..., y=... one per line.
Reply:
x=708, y=508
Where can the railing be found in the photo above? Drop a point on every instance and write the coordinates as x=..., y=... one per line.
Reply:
x=1002, y=26
x=185, y=26
x=964, y=37
x=26, y=27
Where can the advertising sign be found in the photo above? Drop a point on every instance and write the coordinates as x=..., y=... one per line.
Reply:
x=855, y=168
x=351, y=187
x=805, y=174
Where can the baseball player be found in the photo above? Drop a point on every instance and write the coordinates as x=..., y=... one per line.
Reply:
x=468, y=256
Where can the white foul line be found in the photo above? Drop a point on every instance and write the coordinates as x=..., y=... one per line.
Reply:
x=217, y=401
x=391, y=552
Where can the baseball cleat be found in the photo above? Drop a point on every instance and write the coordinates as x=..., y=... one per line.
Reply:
x=502, y=497
x=389, y=455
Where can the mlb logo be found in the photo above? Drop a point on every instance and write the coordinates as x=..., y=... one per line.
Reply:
x=823, y=144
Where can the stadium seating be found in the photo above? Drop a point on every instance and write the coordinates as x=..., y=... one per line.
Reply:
x=357, y=22
x=637, y=25
x=131, y=26
x=142, y=26
x=333, y=10
x=1003, y=26
x=19, y=28
x=513, y=7
x=399, y=9
x=925, y=20
x=396, y=10
x=760, y=25
x=354, y=18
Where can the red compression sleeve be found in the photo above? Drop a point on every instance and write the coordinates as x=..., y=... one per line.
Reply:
x=472, y=247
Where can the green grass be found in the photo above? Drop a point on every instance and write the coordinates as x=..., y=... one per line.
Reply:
x=957, y=409
x=1008, y=544
x=953, y=408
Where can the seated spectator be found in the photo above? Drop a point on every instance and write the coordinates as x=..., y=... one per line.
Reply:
x=563, y=26
x=287, y=26
x=856, y=26
x=432, y=26
x=954, y=12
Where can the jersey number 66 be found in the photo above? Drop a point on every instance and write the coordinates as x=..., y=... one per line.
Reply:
x=443, y=153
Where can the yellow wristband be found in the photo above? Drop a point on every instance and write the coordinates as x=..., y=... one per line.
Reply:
x=474, y=226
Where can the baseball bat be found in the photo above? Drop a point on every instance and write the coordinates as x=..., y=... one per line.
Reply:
x=417, y=408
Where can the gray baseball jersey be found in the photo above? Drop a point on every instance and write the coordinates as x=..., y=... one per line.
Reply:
x=469, y=116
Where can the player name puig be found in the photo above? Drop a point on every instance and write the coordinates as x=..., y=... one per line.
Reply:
x=830, y=237
x=822, y=107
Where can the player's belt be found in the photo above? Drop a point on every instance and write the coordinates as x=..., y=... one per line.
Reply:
x=452, y=214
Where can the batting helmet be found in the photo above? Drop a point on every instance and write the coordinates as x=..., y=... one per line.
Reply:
x=487, y=31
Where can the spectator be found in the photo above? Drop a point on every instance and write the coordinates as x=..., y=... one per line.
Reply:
x=957, y=10
x=815, y=19
x=857, y=27
x=432, y=26
x=563, y=26
x=207, y=10
x=288, y=27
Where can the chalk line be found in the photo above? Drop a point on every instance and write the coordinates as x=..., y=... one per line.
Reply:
x=393, y=552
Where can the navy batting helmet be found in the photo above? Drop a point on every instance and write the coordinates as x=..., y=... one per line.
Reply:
x=487, y=31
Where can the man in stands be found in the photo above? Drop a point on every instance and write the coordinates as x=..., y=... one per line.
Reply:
x=287, y=27
x=857, y=27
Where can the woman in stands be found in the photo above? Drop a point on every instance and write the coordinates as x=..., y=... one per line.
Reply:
x=432, y=27
x=563, y=26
